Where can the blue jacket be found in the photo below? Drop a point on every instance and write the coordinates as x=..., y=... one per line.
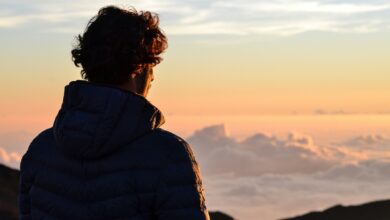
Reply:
x=106, y=158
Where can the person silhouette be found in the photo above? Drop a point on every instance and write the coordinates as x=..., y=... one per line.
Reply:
x=106, y=155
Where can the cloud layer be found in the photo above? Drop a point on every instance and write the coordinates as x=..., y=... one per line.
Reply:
x=263, y=153
x=229, y=17
x=264, y=175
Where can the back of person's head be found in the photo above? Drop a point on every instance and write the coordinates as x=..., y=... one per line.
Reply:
x=118, y=42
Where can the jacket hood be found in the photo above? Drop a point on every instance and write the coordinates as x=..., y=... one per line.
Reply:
x=97, y=119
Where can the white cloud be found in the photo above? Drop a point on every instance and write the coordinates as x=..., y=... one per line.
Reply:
x=228, y=17
x=262, y=153
x=370, y=141
x=9, y=158
x=303, y=6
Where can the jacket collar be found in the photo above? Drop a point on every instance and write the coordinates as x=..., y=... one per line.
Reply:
x=96, y=119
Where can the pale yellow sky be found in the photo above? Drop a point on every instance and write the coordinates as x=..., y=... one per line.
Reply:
x=332, y=72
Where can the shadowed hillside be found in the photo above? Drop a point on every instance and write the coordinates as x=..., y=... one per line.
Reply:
x=371, y=211
x=9, y=180
x=9, y=186
x=220, y=216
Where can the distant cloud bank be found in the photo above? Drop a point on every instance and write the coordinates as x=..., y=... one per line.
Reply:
x=265, y=154
x=228, y=17
x=264, y=175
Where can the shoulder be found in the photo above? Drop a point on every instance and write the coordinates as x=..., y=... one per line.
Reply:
x=182, y=168
x=44, y=135
x=41, y=140
x=169, y=137
x=176, y=147
x=30, y=161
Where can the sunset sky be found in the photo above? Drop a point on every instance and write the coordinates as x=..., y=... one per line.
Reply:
x=314, y=67
x=225, y=57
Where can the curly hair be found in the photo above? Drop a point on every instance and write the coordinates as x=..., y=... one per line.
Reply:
x=118, y=42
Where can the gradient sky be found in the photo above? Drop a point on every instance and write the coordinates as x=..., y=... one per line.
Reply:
x=225, y=57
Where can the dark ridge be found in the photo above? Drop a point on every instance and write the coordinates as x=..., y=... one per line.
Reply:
x=379, y=210
x=9, y=187
x=220, y=216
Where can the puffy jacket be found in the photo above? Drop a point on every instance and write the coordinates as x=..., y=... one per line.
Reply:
x=106, y=158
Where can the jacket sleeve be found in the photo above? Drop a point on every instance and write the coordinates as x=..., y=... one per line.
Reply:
x=25, y=182
x=179, y=193
x=27, y=174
